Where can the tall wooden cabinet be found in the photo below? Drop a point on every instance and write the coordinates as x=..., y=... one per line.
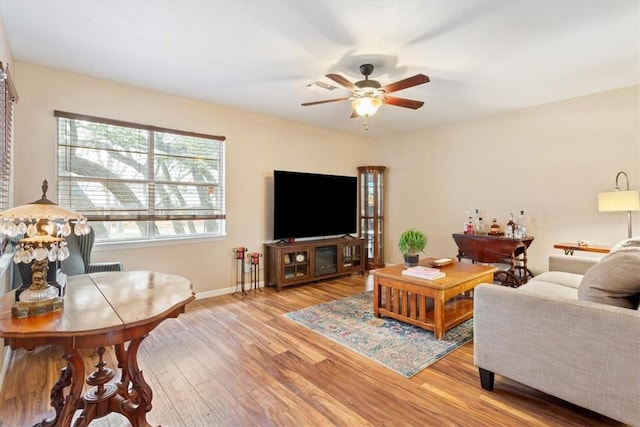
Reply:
x=371, y=189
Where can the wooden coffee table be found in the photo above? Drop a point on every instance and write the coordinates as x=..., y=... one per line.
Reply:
x=435, y=305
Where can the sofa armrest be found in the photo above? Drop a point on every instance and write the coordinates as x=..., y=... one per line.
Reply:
x=582, y=352
x=571, y=264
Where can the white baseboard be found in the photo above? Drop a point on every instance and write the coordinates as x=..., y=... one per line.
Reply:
x=224, y=291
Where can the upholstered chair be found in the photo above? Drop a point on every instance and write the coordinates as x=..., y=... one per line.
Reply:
x=79, y=261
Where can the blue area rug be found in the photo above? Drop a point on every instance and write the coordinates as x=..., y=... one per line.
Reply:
x=403, y=348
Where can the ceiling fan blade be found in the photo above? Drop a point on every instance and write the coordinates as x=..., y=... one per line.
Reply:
x=403, y=102
x=324, y=102
x=354, y=114
x=342, y=81
x=416, y=80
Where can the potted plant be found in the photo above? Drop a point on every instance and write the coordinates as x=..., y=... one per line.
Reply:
x=411, y=243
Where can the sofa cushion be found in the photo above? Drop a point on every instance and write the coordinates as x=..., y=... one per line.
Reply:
x=628, y=245
x=562, y=278
x=615, y=280
x=539, y=286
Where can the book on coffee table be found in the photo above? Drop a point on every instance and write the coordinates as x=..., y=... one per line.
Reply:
x=422, y=272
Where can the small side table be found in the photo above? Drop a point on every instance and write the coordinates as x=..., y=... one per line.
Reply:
x=569, y=248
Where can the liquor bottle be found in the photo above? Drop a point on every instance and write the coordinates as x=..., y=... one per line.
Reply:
x=465, y=224
x=510, y=229
x=467, y=228
x=476, y=221
x=480, y=227
x=495, y=228
x=522, y=224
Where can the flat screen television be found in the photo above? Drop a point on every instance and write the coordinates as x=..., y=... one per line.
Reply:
x=313, y=205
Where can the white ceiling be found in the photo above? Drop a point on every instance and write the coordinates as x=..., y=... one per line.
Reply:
x=483, y=57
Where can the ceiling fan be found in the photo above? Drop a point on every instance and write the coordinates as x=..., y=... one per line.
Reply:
x=368, y=95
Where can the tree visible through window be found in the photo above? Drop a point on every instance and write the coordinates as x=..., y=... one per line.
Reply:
x=138, y=182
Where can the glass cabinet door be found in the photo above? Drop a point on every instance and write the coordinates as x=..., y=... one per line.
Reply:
x=356, y=256
x=371, y=187
x=295, y=264
x=351, y=256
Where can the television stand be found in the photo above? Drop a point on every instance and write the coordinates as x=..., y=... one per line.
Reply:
x=295, y=263
x=347, y=236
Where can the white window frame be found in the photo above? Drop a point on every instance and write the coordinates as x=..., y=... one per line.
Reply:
x=8, y=96
x=192, y=219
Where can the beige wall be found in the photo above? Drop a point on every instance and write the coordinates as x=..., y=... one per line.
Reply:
x=256, y=145
x=550, y=161
x=6, y=56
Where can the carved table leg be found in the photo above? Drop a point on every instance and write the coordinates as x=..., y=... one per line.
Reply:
x=124, y=385
x=131, y=396
x=134, y=394
x=527, y=274
x=96, y=400
x=65, y=407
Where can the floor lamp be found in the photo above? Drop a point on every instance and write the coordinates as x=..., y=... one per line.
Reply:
x=620, y=201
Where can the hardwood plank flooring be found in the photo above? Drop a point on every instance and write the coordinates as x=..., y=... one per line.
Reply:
x=236, y=360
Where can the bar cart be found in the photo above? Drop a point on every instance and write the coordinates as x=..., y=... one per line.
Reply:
x=498, y=249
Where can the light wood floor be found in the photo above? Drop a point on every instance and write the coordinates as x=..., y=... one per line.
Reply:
x=237, y=361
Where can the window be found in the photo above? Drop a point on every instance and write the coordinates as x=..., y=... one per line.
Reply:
x=8, y=96
x=138, y=182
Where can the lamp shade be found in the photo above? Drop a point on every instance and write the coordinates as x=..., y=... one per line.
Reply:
x=37, y=210
x=618, y=201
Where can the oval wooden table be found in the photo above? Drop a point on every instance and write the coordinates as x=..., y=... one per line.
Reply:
x=100, y=309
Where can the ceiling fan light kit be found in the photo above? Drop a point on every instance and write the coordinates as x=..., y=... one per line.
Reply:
x=366, y=106
x=368, y=95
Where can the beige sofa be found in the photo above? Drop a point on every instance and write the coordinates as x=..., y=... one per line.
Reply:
x=544, y=336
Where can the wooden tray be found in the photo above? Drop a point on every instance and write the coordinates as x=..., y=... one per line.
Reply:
x=441, y=262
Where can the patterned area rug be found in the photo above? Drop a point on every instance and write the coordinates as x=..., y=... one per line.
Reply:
x=399, y=346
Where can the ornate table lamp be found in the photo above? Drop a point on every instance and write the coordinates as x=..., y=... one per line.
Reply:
x=46, y=225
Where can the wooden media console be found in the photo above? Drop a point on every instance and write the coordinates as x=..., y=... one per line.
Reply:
x=289, y=264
